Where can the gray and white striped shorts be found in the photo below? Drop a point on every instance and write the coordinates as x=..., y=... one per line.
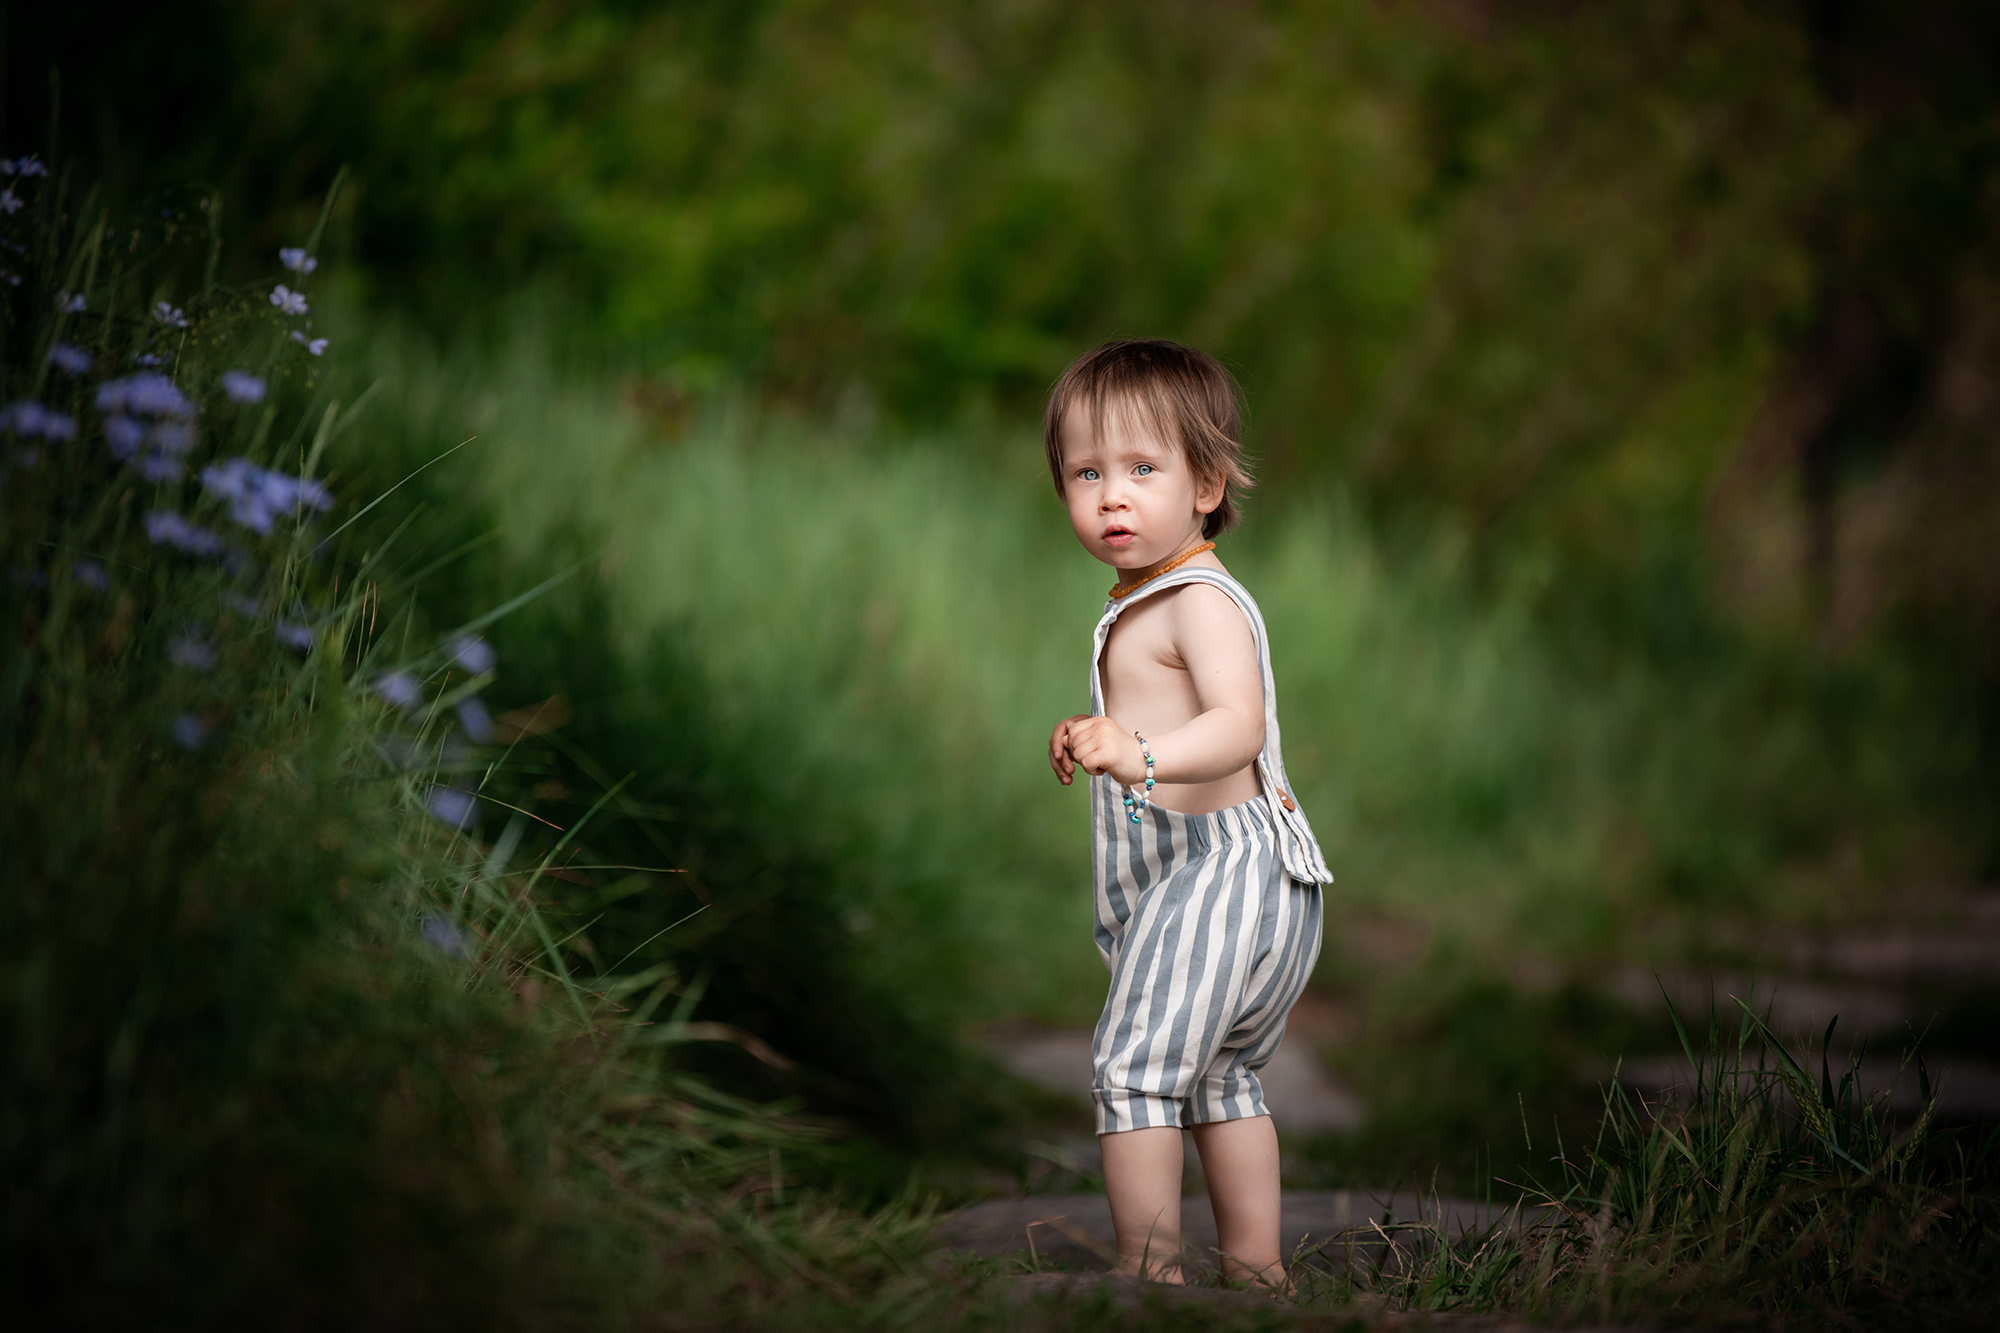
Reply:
x=1209, y=943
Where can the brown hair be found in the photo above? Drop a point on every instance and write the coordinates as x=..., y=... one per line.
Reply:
x=1184, y=394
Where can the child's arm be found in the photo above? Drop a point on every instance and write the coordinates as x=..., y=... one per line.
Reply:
x=1213, y=642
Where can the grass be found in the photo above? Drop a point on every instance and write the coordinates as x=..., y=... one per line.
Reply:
x=286, y=1040
x=325, y=1009
x=879, y=633
x=1759, y=1194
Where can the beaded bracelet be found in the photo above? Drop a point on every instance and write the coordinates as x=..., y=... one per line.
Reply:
x=1133, y=807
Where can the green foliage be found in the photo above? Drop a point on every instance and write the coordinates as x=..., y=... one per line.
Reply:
x=818, y=650
x=224, y=1035
x=282, y=1043
x=871, y=630
x=1450, y=1070
x=1571, y=337
x=1759, y=1192
x=972, y=193
x=1671, y=311
x=1679, y=296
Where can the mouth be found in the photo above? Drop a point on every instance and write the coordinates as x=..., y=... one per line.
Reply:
x=1119, y=536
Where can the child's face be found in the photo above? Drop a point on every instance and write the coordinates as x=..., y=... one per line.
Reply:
x=1132, y=498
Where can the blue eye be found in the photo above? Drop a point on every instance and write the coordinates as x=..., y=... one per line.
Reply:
x=1143, y=470
x=1088, y=474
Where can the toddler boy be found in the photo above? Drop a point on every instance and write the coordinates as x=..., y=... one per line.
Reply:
x=1207, y=874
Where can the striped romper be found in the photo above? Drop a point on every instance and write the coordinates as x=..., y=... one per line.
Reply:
x=1209, y=924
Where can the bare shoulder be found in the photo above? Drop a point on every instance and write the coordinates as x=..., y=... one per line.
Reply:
x=1206, y=609
x=1205, y=624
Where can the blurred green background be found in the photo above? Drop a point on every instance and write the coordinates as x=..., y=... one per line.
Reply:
x=1622, y=385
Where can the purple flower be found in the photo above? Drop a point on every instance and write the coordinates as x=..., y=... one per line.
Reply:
x=289, y=301
x=453, y=806
x=191, y=653
x=158, y=468
x=28, y=417
x=258, y=497
x=242, y=386
x=444, y=935
x=149, y=359
x=147, y=392
x=69, y=305
x=317, y=346
x=401, y=689
x=246, y=607
x=124, y=435
x=169, y=315
x=239, y=481
x=478, y=723
x=473, y=653
x=74, y=360
x=27, y=166
x=23, y=417
x=164, y=527
x=10, y=202
x=91, y=575
x=190, y=731
x=294, y=636
x=297, y=260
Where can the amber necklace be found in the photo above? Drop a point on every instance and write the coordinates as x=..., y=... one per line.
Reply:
x=1119, y=590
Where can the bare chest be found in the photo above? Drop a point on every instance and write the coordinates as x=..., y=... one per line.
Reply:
x=1144, y=677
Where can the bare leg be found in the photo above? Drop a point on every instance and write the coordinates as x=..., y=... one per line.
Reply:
x=1240, y=1159
x=1142, y=1176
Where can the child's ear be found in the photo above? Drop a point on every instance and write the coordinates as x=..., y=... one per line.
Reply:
x=1208, y=494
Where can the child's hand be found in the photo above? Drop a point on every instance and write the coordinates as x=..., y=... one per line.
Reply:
x=1059, y=755
x=1100, y=745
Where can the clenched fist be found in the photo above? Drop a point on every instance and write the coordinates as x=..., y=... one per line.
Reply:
x=1098, y=745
